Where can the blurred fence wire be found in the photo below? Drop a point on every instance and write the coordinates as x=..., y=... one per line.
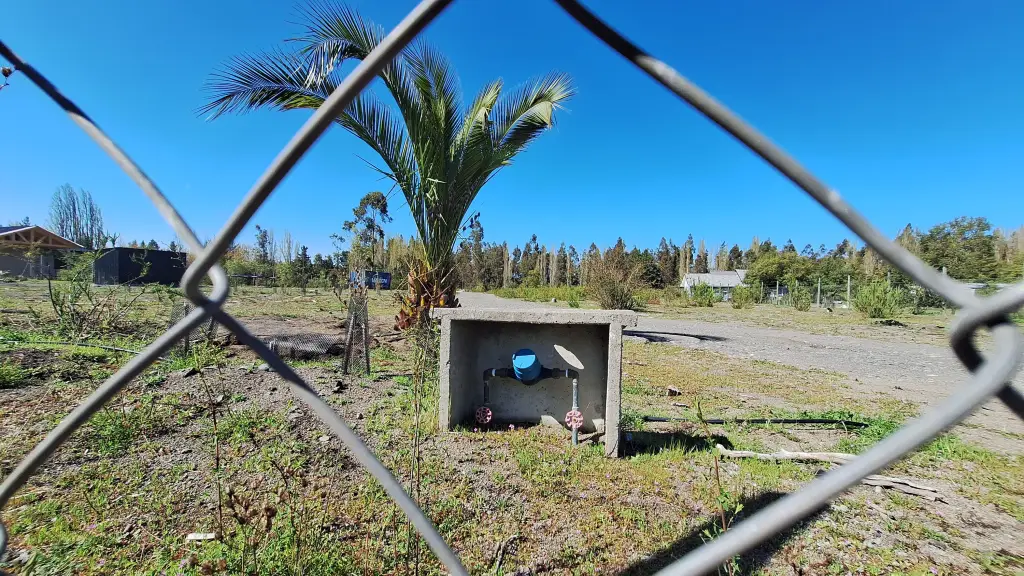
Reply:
x=991, y=373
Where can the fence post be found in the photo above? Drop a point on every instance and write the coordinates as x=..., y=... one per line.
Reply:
x=848, y=303
x=818, y=304
x=776, y=290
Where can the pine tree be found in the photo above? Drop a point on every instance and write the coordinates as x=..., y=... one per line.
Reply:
x=572, y=266
x=722, y=258
x=700, y=265
x=665, y=262
x=735, y=257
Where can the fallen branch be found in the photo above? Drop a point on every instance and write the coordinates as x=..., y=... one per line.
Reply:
x=833, y=457
x=898, y=484
x=499, y=553
x=903, y=485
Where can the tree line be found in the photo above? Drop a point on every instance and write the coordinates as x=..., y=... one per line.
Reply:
x=966, y=248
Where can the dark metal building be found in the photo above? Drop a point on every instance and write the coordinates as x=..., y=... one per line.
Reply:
x=371, y=279
x=139, y=266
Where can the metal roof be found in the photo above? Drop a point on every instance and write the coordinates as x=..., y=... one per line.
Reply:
x=34, y=236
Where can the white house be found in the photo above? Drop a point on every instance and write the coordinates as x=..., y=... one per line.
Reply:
x=721, y=281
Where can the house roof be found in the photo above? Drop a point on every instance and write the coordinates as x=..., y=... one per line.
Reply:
x=716, y=278
x=33, y=236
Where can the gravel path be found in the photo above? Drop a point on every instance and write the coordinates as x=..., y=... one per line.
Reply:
x=920, y=373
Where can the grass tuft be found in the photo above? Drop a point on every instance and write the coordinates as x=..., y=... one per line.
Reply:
x=12, y=375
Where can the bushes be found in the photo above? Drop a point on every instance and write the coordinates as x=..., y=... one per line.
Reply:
x=801, y=298
x=11, y=375
x=82, y=310
x=540, y=293
x=615, y=288
x=880, y=300
x=703, y=296
x=742, y=297
x=573, y=300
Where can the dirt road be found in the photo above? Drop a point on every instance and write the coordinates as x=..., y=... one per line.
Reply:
x=920, y=373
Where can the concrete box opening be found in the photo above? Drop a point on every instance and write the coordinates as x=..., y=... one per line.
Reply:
x=483, y=382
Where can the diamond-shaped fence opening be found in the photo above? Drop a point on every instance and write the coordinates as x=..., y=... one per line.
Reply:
x=312, y=346
x=992, y=374
x=205, y=332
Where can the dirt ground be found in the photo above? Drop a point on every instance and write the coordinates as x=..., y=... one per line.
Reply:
x=212, y=443
x=911, y=371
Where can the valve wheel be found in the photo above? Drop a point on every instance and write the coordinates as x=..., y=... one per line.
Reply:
x=574, y=419
x=484, y=415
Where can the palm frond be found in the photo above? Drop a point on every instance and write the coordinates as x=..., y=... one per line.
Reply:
x=269, y=79
x=436, y=151
x=334, y=33
x=529, y=111
x=372, y=121
x=477, y=119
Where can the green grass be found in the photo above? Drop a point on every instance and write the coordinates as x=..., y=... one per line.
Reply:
x=198, y=356
x=133, y=496
x=115, y=429
x=248, y=424
x=566, y=294
x=11, y=375
x=631, y=420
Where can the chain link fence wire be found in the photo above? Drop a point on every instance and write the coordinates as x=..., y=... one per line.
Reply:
x=991, y=374
x=312, y=346
x=205, y=332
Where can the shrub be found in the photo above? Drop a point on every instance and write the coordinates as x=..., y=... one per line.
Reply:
x=540, y=293
x=631, y=421
x=703, y=295
x=615, y=288
x=573, y=300
x=801, y=298
x=531, y=279
x=11, y=375
x=879, y=300
x=742, y=297
x=675, y=296
x=82, y=310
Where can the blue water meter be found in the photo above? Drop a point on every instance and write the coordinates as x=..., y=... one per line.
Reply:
x=525, y=365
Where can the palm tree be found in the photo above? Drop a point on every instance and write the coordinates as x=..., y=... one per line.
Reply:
x=437, y=151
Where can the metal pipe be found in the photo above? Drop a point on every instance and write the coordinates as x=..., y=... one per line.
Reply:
x=575, y=407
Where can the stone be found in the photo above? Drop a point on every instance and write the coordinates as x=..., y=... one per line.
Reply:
x=263, y=367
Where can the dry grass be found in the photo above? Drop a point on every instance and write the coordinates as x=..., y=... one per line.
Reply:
x=123, y=493
x=927, y=328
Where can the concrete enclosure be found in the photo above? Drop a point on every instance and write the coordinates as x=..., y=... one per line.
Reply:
x=474, y=340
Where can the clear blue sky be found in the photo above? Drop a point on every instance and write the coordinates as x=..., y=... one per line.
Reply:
x=913, y=110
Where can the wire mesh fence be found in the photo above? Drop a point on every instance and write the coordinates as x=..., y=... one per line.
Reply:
x=992, y=373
